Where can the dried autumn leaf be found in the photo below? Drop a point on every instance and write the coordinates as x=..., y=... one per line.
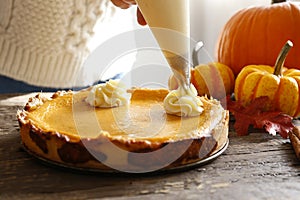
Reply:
x=276, y=123
x=254, y=114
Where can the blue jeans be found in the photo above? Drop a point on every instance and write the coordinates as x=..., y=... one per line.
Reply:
x=9, y=85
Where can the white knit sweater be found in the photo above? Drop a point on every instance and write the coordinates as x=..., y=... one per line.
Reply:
x=44, y=42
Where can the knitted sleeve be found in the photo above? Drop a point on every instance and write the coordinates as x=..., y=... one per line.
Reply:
x=44, y=42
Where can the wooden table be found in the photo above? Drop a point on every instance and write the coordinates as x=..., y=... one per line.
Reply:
x=258, y=166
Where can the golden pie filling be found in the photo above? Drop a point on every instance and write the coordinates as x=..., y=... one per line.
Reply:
x=66, y=129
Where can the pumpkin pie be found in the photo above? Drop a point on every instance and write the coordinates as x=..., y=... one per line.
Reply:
x=139, y=137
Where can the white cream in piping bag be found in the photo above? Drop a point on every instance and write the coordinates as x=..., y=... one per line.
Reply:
x=169, y=21
x=183, y=102
x=110, y=94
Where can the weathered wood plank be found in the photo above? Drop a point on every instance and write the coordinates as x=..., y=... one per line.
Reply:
x=258, y=166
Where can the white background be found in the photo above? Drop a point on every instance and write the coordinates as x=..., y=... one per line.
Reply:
x=207, y=20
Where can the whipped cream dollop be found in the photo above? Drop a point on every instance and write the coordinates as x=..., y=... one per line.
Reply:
x=107, y=95
x=183, y=102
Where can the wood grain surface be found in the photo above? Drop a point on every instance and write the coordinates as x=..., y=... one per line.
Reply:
x=258, y=166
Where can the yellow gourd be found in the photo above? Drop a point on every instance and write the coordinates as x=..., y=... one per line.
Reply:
x=280, y=84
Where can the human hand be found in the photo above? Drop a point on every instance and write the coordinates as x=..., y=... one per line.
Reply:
x=124, y=4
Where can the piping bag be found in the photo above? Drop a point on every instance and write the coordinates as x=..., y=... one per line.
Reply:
x=169, y=21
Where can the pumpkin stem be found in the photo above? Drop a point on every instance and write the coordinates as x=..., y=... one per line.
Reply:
x=281, y=58
x=278, y=1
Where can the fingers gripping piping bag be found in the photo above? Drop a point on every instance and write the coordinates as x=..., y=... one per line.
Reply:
x=169, y=21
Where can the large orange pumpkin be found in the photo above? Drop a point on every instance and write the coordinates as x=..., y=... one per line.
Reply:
x=256, y=34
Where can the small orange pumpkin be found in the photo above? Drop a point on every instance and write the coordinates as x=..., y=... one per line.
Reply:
x=212, y=79
x=281, y=85
x=256, y=34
